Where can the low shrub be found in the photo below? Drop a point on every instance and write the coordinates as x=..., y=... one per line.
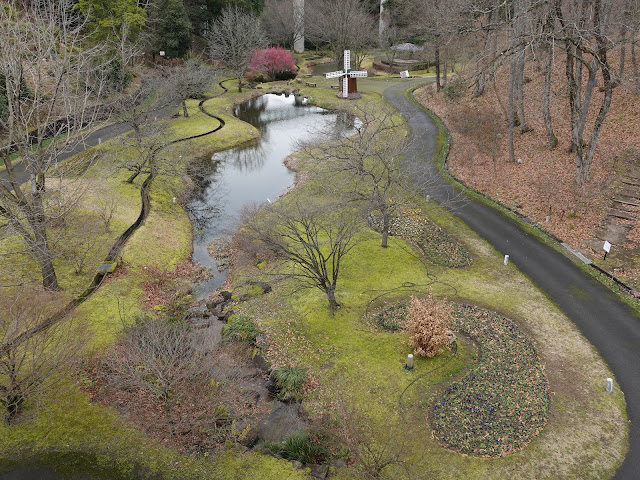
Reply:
x=302, y=446
x=290, y=382
x=240, y=329
x=428, y=325
x=455, y=89
x=269, y=64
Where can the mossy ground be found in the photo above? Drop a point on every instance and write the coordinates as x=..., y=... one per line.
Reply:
x=65, y=420
x=348, y=361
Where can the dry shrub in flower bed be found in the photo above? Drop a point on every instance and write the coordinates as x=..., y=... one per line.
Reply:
x=434, y=243
x=428, y=325
x=502, y=404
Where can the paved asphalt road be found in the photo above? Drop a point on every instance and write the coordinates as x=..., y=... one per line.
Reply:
x=604, y=320
x=91, y=140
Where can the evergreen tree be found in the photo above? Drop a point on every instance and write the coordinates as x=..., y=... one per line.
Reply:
x=171, y=28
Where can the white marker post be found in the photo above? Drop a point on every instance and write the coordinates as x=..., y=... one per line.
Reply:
x=607, y=248
x=409, y=365
x=506, y=259
x=609, y=385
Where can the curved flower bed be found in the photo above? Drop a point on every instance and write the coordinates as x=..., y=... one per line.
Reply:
x=434, y=243
x=503, y=403
x=390, y=317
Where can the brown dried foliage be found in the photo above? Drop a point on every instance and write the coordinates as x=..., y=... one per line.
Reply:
x=428, y=325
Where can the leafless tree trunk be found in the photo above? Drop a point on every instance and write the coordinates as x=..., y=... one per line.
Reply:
x=53, y=81
x=31, y=368
x=634, y=64
x=546, y=98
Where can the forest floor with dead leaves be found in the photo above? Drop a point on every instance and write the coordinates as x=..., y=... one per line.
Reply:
x=541, y=183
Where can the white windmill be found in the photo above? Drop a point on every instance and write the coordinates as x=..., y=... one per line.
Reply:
x=348, y=85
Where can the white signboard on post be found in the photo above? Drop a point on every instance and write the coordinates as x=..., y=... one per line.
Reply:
x=607, y=246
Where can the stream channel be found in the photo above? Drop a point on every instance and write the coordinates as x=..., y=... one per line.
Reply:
x=252, y=173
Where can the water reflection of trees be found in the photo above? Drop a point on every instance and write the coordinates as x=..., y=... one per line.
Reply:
x=209, y=199
x=247, y=159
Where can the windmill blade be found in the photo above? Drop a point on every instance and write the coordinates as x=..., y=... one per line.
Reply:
x=345, y=87
x=333, y=74
x=358, y=73
x=347, y=60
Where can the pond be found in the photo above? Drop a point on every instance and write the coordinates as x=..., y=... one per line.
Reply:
x=252, y=173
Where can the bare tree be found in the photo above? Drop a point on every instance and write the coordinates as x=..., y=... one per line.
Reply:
x=584, y=31
x=140, y=149
x=341, y=25
x=52, y=79
x=190, y=81
x=311, y=239
x=31, y=365
x=437, y=28
x=233, y=38
x=280, y=24
x=158, y=356
x=367, y=167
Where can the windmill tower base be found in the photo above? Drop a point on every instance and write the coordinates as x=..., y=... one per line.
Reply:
x=352, y=90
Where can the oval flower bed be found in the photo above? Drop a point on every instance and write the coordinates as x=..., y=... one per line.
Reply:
x=435, y=244
x=503, y=403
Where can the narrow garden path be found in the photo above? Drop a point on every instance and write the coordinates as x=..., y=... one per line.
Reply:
x=604, y=319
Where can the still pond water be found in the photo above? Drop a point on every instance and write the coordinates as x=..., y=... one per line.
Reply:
x=253, y=173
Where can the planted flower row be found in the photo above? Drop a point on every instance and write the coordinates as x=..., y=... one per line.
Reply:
x=503, y=403
x=434, y=243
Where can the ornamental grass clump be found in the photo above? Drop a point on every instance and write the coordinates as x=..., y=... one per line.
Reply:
x=428, y=325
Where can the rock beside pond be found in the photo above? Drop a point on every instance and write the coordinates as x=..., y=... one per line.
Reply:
x=283, y=422
x=318, y=471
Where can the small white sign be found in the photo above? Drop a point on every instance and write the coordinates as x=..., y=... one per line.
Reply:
x=404, y=74
x=162, y=53
x=607, y=246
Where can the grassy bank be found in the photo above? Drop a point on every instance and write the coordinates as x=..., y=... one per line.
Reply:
x=64, y=420
x=357, y=373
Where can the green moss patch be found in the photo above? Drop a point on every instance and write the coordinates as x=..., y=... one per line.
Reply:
x=503, y=403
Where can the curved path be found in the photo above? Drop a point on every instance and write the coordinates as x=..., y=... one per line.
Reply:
x=603, y=319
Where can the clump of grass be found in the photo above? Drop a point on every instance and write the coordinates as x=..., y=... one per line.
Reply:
x=301, y=446
x=240, y=329
x=290, y=383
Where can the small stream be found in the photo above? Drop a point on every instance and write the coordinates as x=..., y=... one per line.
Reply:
x=229, y=180
x=252, y=173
